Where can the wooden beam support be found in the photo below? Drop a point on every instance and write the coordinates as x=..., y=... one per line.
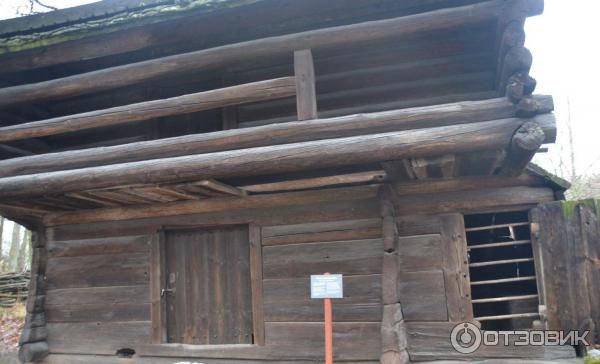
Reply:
x=213, y=205
x=373, y=148
x=32, y=343
x=379, y=122
x=393, y=330
x=306, y=93
x=463, y=184
x=471, y=201
x=120, y=76
x=525, y=143
x=318, y=182
x=234, y=95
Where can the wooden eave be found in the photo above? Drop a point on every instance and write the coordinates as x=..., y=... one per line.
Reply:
x=492, y=137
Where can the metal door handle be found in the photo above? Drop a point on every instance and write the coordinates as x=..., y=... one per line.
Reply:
x=164, y=291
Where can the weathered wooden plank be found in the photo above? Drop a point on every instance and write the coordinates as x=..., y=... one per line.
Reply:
x=110, y=359
x=478, y=200
x=305, y=339
x=347, y=257
x=96, y=337
x=411, y=225
x=403, y=119
x=316, y=212
x=335, y=235
x=431, y=341
x=290, y=157
x=112, y=295
x=307, y=183
x=103, y=246
x=97, y=270
x=98, y=313
x=566, y=262
x=420, y=252
x=306, y=94
x=158, y=281
x=287, y=341
x=257, y=284
x=288, y=300
x=235, y=53
x=283, y=231
x=456, y=268
x=422, y=295
x=246, y=93
x=214, y=205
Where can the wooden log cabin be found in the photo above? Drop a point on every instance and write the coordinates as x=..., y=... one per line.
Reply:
x=187, y=165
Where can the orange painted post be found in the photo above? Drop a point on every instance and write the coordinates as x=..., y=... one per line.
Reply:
x=326, y=287
x=328, y=331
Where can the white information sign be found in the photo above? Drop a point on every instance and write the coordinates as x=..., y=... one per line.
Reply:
x=326, y=286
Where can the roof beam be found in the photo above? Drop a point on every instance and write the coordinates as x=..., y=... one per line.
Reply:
x=326, y=153
x=344, y=126
x=120, y=76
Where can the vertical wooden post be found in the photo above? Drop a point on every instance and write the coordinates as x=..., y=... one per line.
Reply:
x=32, y=343
x=393, y=331
x=328, y=331
x=306, y=95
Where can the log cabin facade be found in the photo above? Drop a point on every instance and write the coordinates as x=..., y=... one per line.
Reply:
x=186, y=166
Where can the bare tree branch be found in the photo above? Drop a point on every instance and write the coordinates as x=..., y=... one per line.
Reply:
x=42, y=5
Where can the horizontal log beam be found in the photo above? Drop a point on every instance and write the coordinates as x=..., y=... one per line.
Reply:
x=228, y=96
x=235, y=53
x=463, y=184
x=404, y=119
x=213, y=205
x=318, y=182
x=462, y=138
x=471, y=201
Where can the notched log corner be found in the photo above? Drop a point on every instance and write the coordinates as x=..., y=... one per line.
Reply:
x=520, y=85
x=526, y=141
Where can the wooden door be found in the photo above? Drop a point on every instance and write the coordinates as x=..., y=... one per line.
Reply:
x=208, y=297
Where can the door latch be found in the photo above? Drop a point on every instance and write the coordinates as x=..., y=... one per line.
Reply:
x=164, y=291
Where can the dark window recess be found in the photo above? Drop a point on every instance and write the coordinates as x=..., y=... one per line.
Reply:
x=208, y=290
x=502, y=269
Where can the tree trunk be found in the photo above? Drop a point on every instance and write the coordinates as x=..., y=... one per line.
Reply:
x=23, y=251
x=14, y=248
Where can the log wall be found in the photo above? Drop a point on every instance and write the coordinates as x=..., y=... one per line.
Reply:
x=431, y=259
x=98, y=298
x=566, y=240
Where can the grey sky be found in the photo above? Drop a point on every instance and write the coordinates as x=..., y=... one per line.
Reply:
x=566, y=55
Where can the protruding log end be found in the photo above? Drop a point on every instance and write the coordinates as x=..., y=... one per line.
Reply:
x=517, y=60
x=33, y=352
x=528, y=107
x=528, y=138
x=519, y=86
x=531, y=106
x=526, y=141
